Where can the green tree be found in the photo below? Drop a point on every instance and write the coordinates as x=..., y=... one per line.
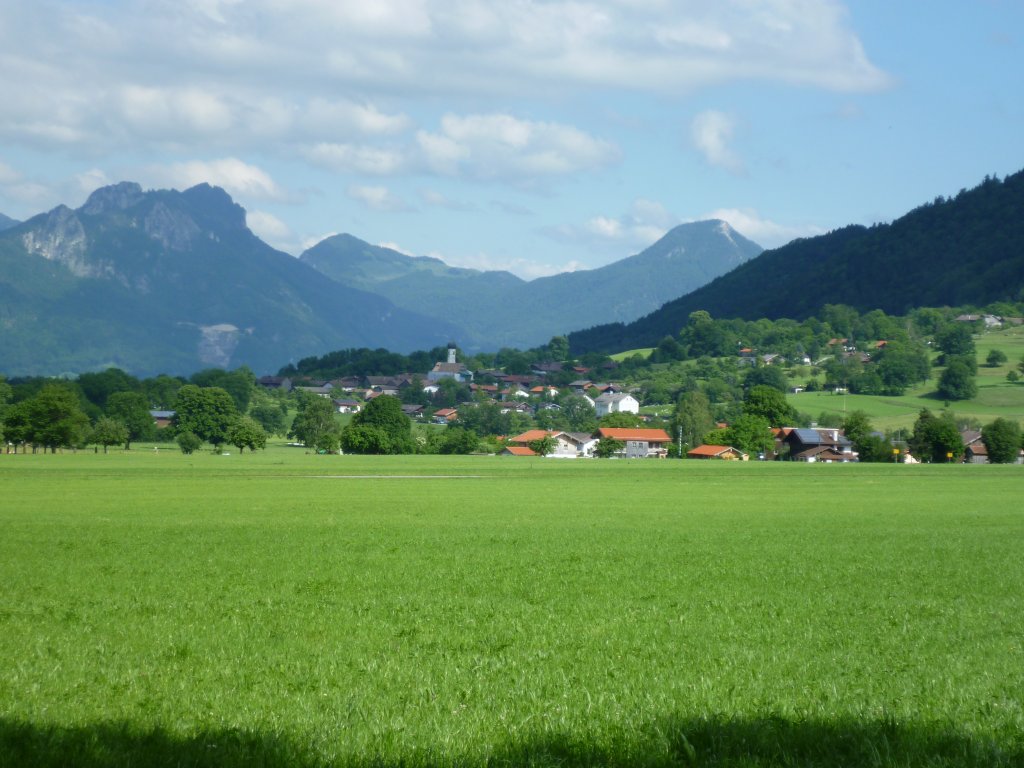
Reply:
x=53, y=418
x=385, y=413
x=5, y=398
x=107, y=431
x=457, y=440
x=995, y=358
x=957, y=381
x=936, y=438
x=1002, y=439
x=316, y=425
x=769, y=403
x=579, y=414
x=132, y=410
x=693, y=418
x=955, y=339
x=621, y=419
x=856, y=427
x=366, y=439
x=162, y=391
x=239, y=383
x=206, y=412
x=607, y=447
x=98, y=387
x=246, y=432
x=901, y=365
x=766, y=375
x=542, y=446
x=750, y=433
x=188, y=442
x=869, y=447
x=271, y=415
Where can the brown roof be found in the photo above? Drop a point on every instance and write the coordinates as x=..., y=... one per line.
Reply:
x=532, y=434
x=650, y=435
x=711, y=450
x=518, y=450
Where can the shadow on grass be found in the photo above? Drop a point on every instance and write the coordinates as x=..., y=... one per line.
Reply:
x=672, y=741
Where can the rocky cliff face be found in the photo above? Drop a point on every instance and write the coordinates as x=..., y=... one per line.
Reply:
x=61, y=237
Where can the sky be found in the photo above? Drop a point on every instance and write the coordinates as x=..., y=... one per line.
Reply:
x=537, y=136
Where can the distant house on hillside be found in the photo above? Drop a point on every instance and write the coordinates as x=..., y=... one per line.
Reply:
x=616, y=402
x=275, y=382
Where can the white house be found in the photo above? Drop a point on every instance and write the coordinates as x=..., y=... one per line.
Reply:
x=616, y=403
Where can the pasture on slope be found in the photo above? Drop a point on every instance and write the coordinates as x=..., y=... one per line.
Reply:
x=287, y=609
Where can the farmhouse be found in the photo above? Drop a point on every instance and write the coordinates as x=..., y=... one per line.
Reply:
x=638, y=443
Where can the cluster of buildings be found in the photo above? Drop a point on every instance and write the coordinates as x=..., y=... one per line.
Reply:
x=523, y=393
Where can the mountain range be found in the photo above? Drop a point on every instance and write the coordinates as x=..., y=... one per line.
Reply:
x=498, y=309
x=169, y=281
x=965, y=250
x=174, y=281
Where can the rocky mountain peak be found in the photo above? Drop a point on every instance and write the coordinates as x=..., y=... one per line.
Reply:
x=116, y=197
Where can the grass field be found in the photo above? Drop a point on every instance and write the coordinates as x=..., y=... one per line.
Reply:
x=996, y=396
x=284, y=609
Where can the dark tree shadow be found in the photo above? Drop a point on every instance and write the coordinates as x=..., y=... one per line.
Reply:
x=671, y=741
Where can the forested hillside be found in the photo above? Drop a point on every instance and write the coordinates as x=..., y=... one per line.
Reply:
x=964, y=250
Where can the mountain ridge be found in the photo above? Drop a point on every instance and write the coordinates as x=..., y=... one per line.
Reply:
x=511, y=312
x=175, y=281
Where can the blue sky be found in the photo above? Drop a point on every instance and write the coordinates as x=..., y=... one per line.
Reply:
x=532, y=135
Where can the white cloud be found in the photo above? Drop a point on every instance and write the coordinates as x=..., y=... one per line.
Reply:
x=323, y=117
x=120, y=73
x=238, y=178
x=346, y=158
x=377, y=198
x=524, y=268
x=644, y=223
x=503, y=147
x=309, y=242
x=267, y=225
x=764, y=232
x=712, y=131
x=396, y=247
x=436, y=199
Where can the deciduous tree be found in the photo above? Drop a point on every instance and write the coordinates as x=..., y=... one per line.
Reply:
x=1002, y=439
x=936, y=438
x=957, y=381
x=316, y=425
x=246, y=432
x=107, y=431
x=132, y=410
x=206, y=412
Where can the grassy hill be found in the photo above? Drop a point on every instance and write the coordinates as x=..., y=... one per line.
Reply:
x=996, y=396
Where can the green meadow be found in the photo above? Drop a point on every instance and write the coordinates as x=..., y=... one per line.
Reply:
x=996, y=396
x=284, y=609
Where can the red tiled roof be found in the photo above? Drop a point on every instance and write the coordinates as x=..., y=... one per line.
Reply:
x=710, y=450
x=622, y=433
x=519, y=450
x=530, y=435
